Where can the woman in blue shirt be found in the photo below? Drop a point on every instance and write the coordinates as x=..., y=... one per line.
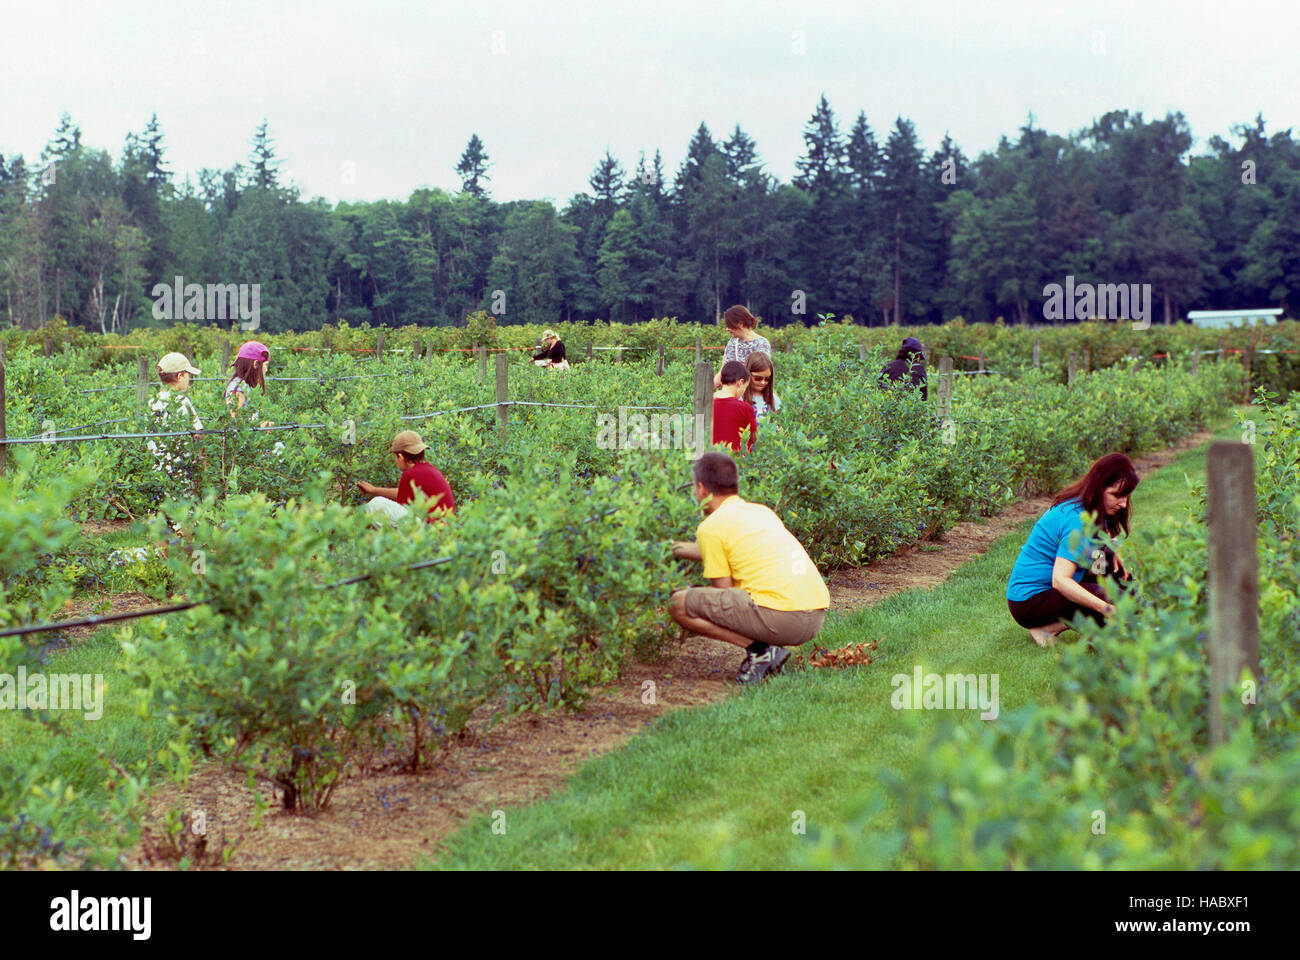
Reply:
x=1055, y=576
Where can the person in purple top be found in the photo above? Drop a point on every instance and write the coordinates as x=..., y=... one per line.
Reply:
x=1056, y=574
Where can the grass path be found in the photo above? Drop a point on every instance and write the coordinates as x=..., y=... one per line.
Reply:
x=719, y=786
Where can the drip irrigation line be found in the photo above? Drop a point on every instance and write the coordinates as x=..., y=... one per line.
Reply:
x=41, y=438
x=178, y=607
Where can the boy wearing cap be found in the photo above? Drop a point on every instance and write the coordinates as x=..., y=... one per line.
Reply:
x=731, y=414
x=173, y=412
x=765, y=593
x=408, y=453
x=553, y=354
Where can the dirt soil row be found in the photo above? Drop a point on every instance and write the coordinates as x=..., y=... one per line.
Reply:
x=387, y=820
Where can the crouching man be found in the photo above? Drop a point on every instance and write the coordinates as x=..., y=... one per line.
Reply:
x=766, y=593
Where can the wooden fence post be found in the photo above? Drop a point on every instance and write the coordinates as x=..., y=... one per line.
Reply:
x=1036, y=363
x=482, y=362
x=659, y=367
x=1087, y=360
x=981, y=354
x=618, y=354
x=379, y=346
x=428, y=349
x=699, y=348
x=1222, y=342
x=1072, y=367
x=4, y=447
x=862, y=350
x=591, y=349
x=225, y=357
x=1248, y=361
x=1135, y=358
x=502, y=360
x=1196, y=361
x=703, y=426
x=943, y=396
x=1233, y=578
x=142, y=382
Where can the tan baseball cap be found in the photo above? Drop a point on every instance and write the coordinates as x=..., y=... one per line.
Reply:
x=175, y=363
x=408, y=441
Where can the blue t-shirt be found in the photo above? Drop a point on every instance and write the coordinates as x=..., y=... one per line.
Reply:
x=1058, y=533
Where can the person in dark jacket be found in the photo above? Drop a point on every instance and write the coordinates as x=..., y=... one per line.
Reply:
x=552, y=353
x=908, y=365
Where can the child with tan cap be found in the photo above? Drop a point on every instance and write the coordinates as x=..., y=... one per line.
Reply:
x=173, y=412
x=390, y=502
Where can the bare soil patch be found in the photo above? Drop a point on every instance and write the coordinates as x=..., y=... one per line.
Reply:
x=388, y=820
x=102, y=528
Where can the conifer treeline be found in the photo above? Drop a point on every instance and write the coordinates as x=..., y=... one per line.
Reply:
x=873, y=229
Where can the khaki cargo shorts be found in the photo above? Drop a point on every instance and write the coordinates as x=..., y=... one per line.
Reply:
x=735, y=610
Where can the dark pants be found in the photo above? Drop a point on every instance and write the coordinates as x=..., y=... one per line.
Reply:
x=1051, y=605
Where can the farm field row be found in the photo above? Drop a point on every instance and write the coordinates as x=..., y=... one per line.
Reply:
x=253, y=677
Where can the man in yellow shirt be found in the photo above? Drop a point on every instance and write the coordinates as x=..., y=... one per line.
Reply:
x=766, y=593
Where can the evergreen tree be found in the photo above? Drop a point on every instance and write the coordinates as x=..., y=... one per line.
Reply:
x=262, y=159
x=472, y=167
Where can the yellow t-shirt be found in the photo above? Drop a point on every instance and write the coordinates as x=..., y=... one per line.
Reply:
x=749, y=543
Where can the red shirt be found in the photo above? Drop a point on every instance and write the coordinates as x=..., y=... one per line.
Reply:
x=730, y=414
x=426, y=477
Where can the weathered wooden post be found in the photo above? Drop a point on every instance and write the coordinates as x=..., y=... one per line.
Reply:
x=4, y=447
x=659, y=367
x=618, y=354
x=1247, y=362
x=1222, y=343
x=699, y=349
x=1134, y=358
x=1072, y=367
x=428, y=350
x=943, y=396
x=225, y=357
x=142, y=382
x=703, y=426
x=379, y=346
x=482, y=363
x=591, y=349
x=1196, y=361
x=862, y=350
x=1233, y=579
x=502, y=394
x=1087, y=360
x=981, y=356
x=1036, y=363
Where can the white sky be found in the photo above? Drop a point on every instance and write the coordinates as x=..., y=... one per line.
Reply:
x=371, y=100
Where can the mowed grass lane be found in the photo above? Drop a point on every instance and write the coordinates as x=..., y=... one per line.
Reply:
x=719, y=786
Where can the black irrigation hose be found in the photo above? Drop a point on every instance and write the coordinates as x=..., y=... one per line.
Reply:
x=40, y=438
x=177, y=607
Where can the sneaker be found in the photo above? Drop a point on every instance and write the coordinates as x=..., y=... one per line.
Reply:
x=758, y=666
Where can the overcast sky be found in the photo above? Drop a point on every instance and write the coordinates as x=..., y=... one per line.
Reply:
x=371, y=100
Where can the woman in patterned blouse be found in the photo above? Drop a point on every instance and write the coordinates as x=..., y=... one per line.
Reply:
x=740, y=323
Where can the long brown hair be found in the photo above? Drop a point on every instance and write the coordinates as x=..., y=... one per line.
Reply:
x=250, y=371
x=737, y=317
x=1112, y=469
x=759, y=362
